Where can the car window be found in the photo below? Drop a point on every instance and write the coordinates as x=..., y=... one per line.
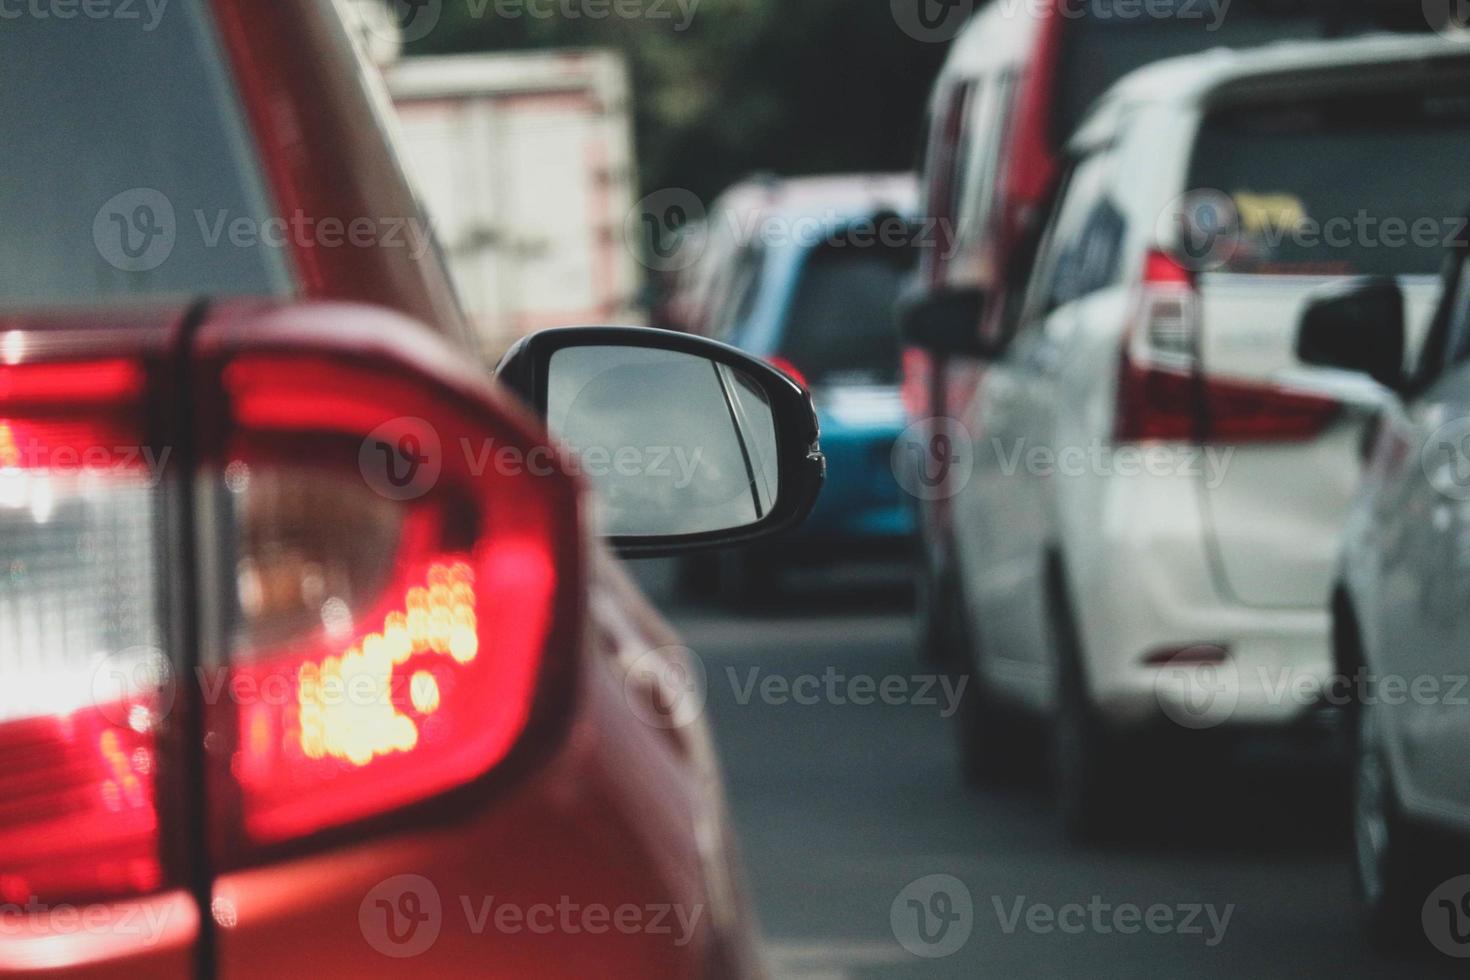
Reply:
x=839, y=327
x=128, y=171
x=1083, y=249
x=1320, y=187
x=944, y=172
x=1112, y=39
x=1459, y=314
x=745, y=285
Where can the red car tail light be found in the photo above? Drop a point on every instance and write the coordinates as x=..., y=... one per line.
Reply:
x=1164, y=395
x=399, y=594
x=83, y=675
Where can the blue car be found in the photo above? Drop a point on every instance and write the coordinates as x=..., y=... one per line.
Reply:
x=810, y=286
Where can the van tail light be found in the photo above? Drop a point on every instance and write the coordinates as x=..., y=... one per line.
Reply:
x=400, y=577
x=1159, y=382
x=1164, y=395
x=84, y=738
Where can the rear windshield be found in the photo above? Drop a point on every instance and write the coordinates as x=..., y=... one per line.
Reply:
x=1355, y=186
x=840, y=326
x=1104, y=40
x=126, y=163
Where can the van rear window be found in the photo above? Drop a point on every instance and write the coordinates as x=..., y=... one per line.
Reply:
x=1103, y=40
x=1353, y=186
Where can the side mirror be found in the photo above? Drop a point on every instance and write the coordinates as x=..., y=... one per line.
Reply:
x=946, y=322
x=690, y=443
x=1358, y=326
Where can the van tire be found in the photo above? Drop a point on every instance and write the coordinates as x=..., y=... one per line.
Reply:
x=991, y=737
x=1085, y=760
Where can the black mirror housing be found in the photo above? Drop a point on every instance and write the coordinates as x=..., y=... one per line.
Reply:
x=791, y=426
x=944, y=322
x=1358, y=326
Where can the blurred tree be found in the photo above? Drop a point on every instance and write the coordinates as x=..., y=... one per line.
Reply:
x=727, y=87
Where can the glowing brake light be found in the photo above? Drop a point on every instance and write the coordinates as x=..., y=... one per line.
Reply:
x=84, y=740
x=363, y=652
x=384, y=651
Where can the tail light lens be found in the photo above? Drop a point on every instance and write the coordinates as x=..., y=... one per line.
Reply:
x=83, y=673
x=1158, y=378
x=388, y=603
x=387, y=632
x=1164, y=395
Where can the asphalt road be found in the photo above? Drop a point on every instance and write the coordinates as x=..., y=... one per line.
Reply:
x=849, y=804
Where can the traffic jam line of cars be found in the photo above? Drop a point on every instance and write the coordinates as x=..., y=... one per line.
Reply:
x=1237, y=251
x=350, y=676
x=1176, y=331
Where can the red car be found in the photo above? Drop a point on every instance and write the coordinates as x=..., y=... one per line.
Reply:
x=315, y=656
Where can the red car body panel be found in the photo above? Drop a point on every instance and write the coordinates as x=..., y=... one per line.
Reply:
x=614, y=813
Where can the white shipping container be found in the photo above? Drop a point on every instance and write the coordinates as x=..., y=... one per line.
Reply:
x=525, y=164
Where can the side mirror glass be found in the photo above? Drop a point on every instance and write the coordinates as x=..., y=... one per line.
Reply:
x=946, y=322
x=1358, y=326
x=688, y=443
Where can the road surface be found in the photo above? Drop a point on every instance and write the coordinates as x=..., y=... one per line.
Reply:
x=864, y=847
